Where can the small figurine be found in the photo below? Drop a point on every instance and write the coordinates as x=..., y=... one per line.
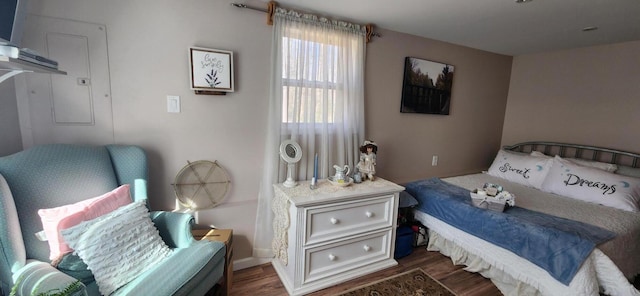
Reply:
x=357, y=177
x=367, y=164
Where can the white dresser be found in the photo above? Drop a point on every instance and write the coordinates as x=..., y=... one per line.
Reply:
x=333, y=234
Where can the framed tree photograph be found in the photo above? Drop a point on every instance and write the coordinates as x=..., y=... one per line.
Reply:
x=426, y=87
x=211, y=70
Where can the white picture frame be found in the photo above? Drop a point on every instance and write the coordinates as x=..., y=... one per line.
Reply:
x=211, y=69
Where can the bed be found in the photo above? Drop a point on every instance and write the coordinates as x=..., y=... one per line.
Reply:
x=608, y=265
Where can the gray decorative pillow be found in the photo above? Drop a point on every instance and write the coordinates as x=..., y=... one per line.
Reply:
x=628, y=171
x=407, y=200
x=118, y=246
x=609, y=167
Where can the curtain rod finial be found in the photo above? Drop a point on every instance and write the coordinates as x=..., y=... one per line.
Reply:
x=242, y=5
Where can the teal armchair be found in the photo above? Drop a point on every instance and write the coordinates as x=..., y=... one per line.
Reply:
x=49, y=176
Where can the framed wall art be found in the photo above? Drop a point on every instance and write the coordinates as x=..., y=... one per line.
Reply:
x=426, y=87
x=211, y=70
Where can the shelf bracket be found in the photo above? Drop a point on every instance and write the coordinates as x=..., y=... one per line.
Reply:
x=11, y=74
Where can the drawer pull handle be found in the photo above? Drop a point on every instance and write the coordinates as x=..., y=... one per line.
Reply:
x=334, y=221
x=332, y=257
x=369, y=214
x=367, y=248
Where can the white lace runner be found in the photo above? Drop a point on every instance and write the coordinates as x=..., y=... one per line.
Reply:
x=280, y=207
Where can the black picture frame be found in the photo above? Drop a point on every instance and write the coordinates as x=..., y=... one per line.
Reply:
x=426, y=87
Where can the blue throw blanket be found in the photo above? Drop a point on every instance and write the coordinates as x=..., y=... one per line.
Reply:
x=556, y=244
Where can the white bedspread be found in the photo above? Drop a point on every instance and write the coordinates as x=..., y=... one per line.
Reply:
x=608, y=266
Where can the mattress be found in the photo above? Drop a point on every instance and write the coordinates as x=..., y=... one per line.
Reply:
x=608, y=266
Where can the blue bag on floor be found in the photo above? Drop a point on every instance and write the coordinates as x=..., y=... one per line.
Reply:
x=404, y=241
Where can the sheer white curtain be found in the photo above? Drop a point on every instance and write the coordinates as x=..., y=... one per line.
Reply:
x=316, y=99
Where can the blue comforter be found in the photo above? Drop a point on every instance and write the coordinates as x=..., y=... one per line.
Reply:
x=556, y=244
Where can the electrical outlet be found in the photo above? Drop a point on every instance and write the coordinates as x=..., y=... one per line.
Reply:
x=434, y=160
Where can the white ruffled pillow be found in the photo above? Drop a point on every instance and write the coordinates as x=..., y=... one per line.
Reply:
x=520, y=168
x=118, y=246
x=592, y=185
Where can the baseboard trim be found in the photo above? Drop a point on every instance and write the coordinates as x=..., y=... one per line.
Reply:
x=249, y=262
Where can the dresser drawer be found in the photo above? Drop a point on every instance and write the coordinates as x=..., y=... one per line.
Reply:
x=348, y=218
x=358, y=252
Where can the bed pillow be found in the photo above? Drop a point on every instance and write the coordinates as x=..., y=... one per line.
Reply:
x=520, y=168
x=628, y=171
x=609, y=167
x=118, y=246
x=407, y=200
x=56, y=219
x=592, y=185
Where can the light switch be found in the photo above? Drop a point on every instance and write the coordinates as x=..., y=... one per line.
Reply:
x=173, y=104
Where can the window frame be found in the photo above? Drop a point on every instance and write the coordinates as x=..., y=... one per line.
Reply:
x=330, y=84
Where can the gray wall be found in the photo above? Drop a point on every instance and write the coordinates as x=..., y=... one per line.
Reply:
x=464, y=141
x=586, y=96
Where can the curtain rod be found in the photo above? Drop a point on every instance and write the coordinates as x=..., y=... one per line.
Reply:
x=241, y=5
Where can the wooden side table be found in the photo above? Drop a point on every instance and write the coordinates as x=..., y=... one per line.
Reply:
x=225, y=236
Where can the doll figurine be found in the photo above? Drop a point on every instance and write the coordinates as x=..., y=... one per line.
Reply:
x=367, y=164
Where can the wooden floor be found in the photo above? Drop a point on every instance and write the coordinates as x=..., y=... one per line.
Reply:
x=263, y=280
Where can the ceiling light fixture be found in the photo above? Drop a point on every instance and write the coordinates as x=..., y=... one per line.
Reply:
x=523, y=1
x=589, y=28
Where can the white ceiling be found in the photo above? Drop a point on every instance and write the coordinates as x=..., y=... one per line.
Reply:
x=500, y=26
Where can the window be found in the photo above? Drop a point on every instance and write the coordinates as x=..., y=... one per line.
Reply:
x=309, y=81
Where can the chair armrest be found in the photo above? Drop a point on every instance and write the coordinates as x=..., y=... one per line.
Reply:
x=40, y=277
x=174, y=228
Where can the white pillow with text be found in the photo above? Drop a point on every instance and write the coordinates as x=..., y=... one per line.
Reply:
x=520, y=168
x=592, y=185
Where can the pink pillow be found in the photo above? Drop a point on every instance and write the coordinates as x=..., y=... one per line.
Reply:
x=56, y=219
